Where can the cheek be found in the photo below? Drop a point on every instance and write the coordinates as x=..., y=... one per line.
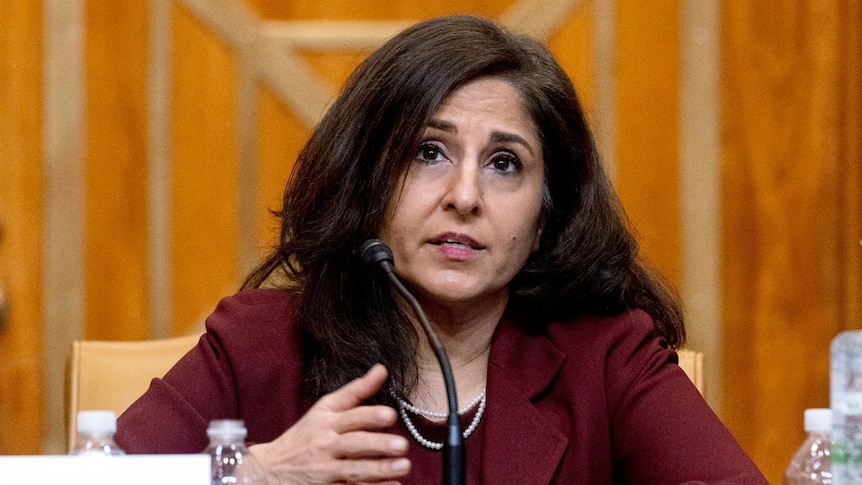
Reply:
x=414, y=205
x=524, y=241
x=388, y=231
x=399, y=227
x=393, y=214
x=531, y=233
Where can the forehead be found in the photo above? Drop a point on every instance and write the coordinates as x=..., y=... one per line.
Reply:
x=489, y=100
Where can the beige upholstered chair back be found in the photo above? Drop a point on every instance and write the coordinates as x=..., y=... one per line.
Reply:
x=111, y=375
x=692, y=363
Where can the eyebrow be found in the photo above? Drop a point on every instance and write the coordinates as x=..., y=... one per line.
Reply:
x=496, y=136
x=502, y=137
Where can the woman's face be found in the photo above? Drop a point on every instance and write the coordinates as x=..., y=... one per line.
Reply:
x=467, y=215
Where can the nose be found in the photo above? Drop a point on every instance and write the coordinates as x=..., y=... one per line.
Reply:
x=464, y=194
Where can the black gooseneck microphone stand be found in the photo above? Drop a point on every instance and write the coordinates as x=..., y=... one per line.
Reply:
x=376, y=253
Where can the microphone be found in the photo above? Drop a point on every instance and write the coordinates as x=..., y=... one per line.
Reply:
x=378, y=255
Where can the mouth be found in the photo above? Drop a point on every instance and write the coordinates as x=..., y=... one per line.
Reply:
x=456, y=240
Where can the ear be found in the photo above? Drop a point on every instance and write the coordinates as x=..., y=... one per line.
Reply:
x=537, y=241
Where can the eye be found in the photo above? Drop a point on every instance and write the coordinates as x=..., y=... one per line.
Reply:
x=430, y=152
x=505, y=162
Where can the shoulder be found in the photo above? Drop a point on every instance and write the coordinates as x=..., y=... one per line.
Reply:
x=602, y=329
x=255, y=300
x=619, y=350
x=625, y=332
x=257, y=318
x=600, y=350
x=257, y=304
x=583, y=337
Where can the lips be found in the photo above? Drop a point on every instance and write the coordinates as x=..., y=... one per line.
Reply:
x=456, y=240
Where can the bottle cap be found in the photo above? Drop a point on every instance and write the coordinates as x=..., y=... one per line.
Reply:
x=97, y=422
x=227, y=427
x=818, y=419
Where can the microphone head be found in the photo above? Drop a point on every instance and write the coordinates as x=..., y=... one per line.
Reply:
x=377, y=254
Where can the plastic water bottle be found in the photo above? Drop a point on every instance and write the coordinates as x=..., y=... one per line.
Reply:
x=845, y=389
x=232, y=463
x=812, y=463
x=96, y=434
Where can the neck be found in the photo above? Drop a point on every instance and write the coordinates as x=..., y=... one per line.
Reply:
x=465, y=332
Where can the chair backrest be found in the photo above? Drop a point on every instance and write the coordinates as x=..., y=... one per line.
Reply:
x=111, y=375
x=691, y=362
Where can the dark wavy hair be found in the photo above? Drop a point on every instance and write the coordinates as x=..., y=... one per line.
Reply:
x=351, y=166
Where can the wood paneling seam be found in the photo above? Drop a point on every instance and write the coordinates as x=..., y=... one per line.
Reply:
x=159, y=173
x=700, y=183
x=63, y=284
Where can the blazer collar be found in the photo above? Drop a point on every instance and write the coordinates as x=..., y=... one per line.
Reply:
x=520, y=442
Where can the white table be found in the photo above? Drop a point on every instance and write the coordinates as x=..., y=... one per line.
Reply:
x=114, y=470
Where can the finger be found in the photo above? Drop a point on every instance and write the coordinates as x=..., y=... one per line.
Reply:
x=363, y=444
x=374, y=471
x=387, y=482
x=365, y=417
x=356, y=391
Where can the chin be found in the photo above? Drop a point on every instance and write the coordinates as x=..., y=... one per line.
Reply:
x=460, y=294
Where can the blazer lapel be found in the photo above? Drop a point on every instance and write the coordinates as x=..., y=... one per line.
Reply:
x=522, y=446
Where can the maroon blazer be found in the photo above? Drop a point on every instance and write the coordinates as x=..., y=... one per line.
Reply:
x=595, y=400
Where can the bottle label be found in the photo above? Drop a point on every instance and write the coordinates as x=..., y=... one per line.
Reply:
x=848, y=403
x=846, y=453
x=846, y=462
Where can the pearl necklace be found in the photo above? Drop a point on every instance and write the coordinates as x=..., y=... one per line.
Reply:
x=404, y=406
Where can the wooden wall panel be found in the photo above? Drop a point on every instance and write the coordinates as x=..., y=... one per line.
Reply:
x=116, y=171
x=782, y=270
x=375, y=10
x=21, y=379
x=851, y=162
x=572, y=43
x=281, y=137
x=647, y=130
x=204, y=171
x=334, y=66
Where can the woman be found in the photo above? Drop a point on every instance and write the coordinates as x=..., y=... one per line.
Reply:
x=463, y=147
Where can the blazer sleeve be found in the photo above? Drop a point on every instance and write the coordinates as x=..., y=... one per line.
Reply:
x=222, y=377
x=662, y=429
x=172, y=416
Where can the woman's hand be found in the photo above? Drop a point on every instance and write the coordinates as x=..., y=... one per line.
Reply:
x=334, y=441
